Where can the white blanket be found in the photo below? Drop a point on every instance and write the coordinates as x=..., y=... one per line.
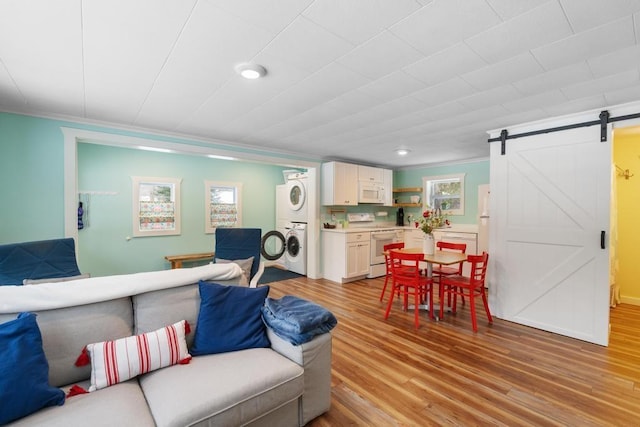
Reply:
x=47, y=296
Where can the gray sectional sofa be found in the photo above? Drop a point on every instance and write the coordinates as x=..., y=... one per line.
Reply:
x=282, y=385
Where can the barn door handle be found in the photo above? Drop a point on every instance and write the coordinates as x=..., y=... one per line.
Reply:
x=602, y=239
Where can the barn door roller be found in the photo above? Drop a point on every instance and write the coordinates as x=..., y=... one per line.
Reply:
x=604, y=120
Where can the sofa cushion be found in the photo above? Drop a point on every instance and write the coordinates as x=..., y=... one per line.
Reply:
x=24, y=372
x=234, y=388
x=120, y=360
x=229, y=319
x=66, y=331
x=122, y=405
x=153, y=310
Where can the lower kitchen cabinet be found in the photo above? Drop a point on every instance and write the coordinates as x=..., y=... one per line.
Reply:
x=345, y=255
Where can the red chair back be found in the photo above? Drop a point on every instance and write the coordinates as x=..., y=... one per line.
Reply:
x=405, y=267
x=388, y=248
x=405, y=272
x=387, y=260
x=449, y=246
x=462, y=247
x=478, y=269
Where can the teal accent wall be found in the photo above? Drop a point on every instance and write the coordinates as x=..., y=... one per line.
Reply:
x=32, y=168
x=476, y=173
x=106, y=244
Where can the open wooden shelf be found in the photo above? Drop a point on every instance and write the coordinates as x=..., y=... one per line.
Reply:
x=408, y=190
x=407, y=205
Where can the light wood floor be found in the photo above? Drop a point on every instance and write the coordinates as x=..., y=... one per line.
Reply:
x=386, y=373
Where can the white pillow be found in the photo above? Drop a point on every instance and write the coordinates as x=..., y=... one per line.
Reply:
x=116, y=361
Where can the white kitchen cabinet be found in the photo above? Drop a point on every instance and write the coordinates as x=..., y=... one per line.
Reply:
x=346, y=256
x=413, y=238
x=370, y=174
x=339, y=184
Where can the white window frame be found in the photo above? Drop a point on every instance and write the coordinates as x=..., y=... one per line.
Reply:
x=427, y=184
x=174, y=184
x=208, y=227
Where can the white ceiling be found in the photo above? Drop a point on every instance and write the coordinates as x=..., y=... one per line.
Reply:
x=347, y=79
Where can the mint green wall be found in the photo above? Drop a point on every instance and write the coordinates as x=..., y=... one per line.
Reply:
x=31, y=170
x=103, y=245
x=476, y=173
x=31, y=166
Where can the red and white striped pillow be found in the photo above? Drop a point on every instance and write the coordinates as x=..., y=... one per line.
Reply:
x=116, y=361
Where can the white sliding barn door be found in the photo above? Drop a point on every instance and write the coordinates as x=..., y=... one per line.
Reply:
x=549, y=205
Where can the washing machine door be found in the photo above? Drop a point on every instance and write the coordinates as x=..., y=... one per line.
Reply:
x=273, y=245
x=292, y=246
x=297, y=194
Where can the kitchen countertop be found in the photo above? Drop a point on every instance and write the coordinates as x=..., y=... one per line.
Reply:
x=455, y=228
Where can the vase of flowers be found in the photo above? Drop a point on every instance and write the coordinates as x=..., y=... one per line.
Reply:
x=428, y=244
x=430, y=220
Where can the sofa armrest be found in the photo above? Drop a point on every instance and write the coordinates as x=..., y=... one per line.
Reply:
x=315, y=357
x=257, y=276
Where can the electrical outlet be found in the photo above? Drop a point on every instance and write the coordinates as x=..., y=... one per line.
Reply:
x=333, y=217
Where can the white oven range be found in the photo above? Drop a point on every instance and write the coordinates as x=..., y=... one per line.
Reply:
x=380, y=238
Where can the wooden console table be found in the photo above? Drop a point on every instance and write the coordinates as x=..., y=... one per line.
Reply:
x=177, y=260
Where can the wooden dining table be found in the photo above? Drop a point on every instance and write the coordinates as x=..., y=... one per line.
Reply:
x=438, y=257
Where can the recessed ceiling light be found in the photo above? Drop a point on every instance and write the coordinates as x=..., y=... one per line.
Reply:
x=402, y=151
x=251, y=71
x=215, y=156
x=158, y=149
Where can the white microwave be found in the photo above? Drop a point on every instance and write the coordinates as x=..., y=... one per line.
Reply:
x=370, y=192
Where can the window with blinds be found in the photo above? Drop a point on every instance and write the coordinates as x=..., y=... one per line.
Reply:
x=223, y=202
x=156, y=206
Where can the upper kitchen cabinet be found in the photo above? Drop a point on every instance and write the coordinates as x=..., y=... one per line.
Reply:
x=370, y=174
x=339, y=184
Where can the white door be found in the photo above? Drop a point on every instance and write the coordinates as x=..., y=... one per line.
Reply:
x=549, y=206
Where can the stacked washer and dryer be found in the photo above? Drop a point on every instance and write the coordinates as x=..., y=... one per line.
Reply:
x=287, y=244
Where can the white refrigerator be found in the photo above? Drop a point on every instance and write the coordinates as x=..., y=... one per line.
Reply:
x=483, y=218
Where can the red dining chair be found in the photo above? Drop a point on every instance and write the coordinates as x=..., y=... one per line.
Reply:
x=471, y=287
x=387, y=261
x=407, y=280
x=455, y=270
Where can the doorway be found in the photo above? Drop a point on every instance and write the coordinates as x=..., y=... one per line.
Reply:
x=625, y=268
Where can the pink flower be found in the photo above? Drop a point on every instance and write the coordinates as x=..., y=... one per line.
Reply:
x=426, y=214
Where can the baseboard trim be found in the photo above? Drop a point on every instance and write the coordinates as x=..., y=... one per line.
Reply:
x=629, y=300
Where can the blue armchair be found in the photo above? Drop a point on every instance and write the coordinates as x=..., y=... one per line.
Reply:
x=241, y=243
x=44, y=259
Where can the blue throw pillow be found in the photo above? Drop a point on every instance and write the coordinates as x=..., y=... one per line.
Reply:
x=24, y=370
x=229, y=319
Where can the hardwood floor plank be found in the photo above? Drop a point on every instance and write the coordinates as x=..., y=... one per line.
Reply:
x=387, y=373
